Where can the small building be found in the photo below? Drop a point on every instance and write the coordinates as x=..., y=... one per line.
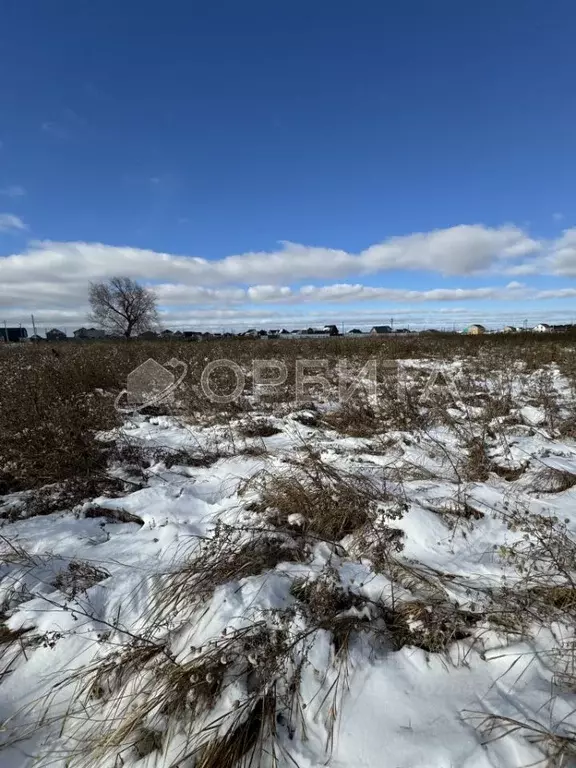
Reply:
x=542, y=328
x=509, y=329
x=147, y=335
x=475, y=329
x=378, y=330
x=36, y=337
x=355, y=331
x=13, y=334
x=332, y=330
x=55, y=334
x=89, y=333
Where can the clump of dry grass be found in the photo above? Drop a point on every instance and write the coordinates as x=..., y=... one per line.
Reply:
x=458, y=510
x=552, y=480
x=434, y=627
x=112, y=515
x=330, y=606
x=557, y=745
x=8, y=635
x=510, y=474
x=64, y=495
x=317, y=499
x=230, y=554
x=143, y=692
x=258, y=428
x=78, y=577
x=48, y=420
x=476, y=465
x=357, y=418
x=14, y=645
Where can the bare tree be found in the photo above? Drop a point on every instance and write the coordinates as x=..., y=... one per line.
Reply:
x=121, y=305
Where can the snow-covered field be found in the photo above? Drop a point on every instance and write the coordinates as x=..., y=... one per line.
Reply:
x=306, y=586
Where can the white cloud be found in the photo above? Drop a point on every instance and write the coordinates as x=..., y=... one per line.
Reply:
x=562, y=258
x=13, y=191
x=458, y=250
x=53, y=277
x=10, y=222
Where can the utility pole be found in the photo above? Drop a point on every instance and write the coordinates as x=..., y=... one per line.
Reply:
x=5, y=332
x=33, y=325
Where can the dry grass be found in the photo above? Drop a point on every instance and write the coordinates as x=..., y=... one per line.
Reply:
x=78, y=577
x=258, y=428
x=551, y=480
x=558, y=746
x=316, y=499
x=433, y=627
x=126, y=703
x=229, y=555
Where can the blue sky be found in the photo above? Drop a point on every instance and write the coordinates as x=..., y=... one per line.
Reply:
x=137, y=136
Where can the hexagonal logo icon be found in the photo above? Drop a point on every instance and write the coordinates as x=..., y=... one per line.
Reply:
x=149, y=384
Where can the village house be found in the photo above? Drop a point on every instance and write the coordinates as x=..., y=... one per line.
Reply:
x=55, y=334
x=13, y=334
x=475, y=329
x=89, y=333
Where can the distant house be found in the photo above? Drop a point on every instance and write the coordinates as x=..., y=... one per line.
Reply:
x=89, y=333
x=167, y=334
x=55, y=334
x=332, y=330
x=13, y=334
x=542, y=328
x=148, y=335
x=377, y=330
x=355, y=330
x=36, y=337
x=509, y=329
x=475, y=329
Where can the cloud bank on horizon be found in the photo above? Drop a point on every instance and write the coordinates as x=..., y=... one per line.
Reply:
x=300, y=284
